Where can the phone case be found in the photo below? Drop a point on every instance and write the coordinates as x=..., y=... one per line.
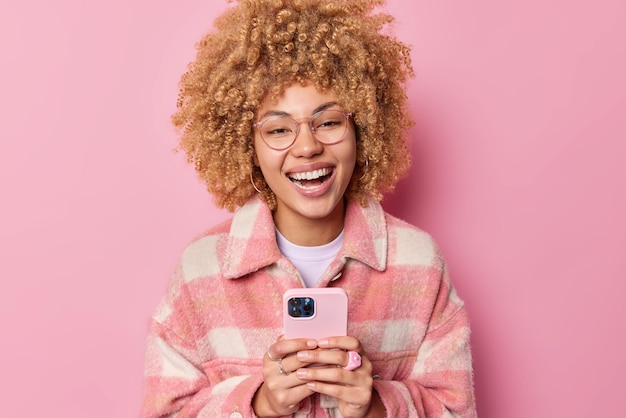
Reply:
x=328, y=319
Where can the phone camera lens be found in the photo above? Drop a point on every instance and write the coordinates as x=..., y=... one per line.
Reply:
x=294, y=311
x=301, y=307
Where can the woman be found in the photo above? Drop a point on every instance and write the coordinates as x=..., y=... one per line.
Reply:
x=294, y=113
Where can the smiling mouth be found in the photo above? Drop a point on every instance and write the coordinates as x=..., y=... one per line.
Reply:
x=311, y=179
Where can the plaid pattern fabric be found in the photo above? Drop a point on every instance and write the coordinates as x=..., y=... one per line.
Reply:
x=222, y=310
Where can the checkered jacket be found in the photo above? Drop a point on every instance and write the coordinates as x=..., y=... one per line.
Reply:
x=222, y=310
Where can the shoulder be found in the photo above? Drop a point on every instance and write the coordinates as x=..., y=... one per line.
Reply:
x=238, y=226
x=201, y=256
x=227, y=248
x=216, y=231
x=409, y=244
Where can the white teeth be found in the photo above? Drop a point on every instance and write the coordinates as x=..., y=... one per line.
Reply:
x=310, y=175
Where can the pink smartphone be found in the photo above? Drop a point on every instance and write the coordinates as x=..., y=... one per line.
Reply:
x=315, y=312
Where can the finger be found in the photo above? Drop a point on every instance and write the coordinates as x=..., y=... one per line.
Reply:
x=327, y=357
x=279, y=374
x=270, y=356
x=354, y=395
x=349, y=360
x=281, y=368
x=289, y=364
x=344, y=343
x=332, y=374
x=282, y=348
x=362, y=376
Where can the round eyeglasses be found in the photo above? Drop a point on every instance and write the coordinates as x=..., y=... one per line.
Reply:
x=279, y=132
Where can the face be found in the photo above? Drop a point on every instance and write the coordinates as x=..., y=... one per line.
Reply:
x=309, y=178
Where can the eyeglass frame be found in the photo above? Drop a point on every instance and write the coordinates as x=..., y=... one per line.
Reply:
x=299, y=122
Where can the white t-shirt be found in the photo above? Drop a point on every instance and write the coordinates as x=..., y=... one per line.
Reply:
x=310, y=262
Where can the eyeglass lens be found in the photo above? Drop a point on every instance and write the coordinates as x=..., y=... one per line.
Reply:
x=327, y=126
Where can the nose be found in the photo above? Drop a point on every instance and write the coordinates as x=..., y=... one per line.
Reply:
x=305, y=144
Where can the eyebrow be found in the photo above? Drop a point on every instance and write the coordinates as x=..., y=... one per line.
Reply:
x=321, y=107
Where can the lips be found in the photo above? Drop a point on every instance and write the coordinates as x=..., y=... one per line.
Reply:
x=311, y=179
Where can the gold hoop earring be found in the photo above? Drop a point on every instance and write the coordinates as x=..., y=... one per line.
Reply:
x=254, y=185
x=367, y=164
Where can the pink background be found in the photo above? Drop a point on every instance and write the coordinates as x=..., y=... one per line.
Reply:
x=518, y=174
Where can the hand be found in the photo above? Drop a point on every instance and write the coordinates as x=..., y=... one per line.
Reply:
x=353, y=389
x=282, y=390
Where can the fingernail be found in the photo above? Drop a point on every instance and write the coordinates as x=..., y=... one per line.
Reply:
x=323, y=343
x=311, y=343
x=302, y=373
x=302, y=355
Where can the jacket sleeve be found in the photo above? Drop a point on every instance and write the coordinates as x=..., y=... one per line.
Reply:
x=175, y=381
x=440, y=383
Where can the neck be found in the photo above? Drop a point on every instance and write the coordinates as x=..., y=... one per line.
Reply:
x=311, y=232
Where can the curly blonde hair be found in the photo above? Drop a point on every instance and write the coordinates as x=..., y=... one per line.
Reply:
x=262, y=46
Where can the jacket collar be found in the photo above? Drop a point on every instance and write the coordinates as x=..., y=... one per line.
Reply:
x=251, y=243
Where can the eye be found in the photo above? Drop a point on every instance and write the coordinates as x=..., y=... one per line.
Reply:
x=329, y=119
x=277, y=127
x=328, y=124
x=278, y=131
